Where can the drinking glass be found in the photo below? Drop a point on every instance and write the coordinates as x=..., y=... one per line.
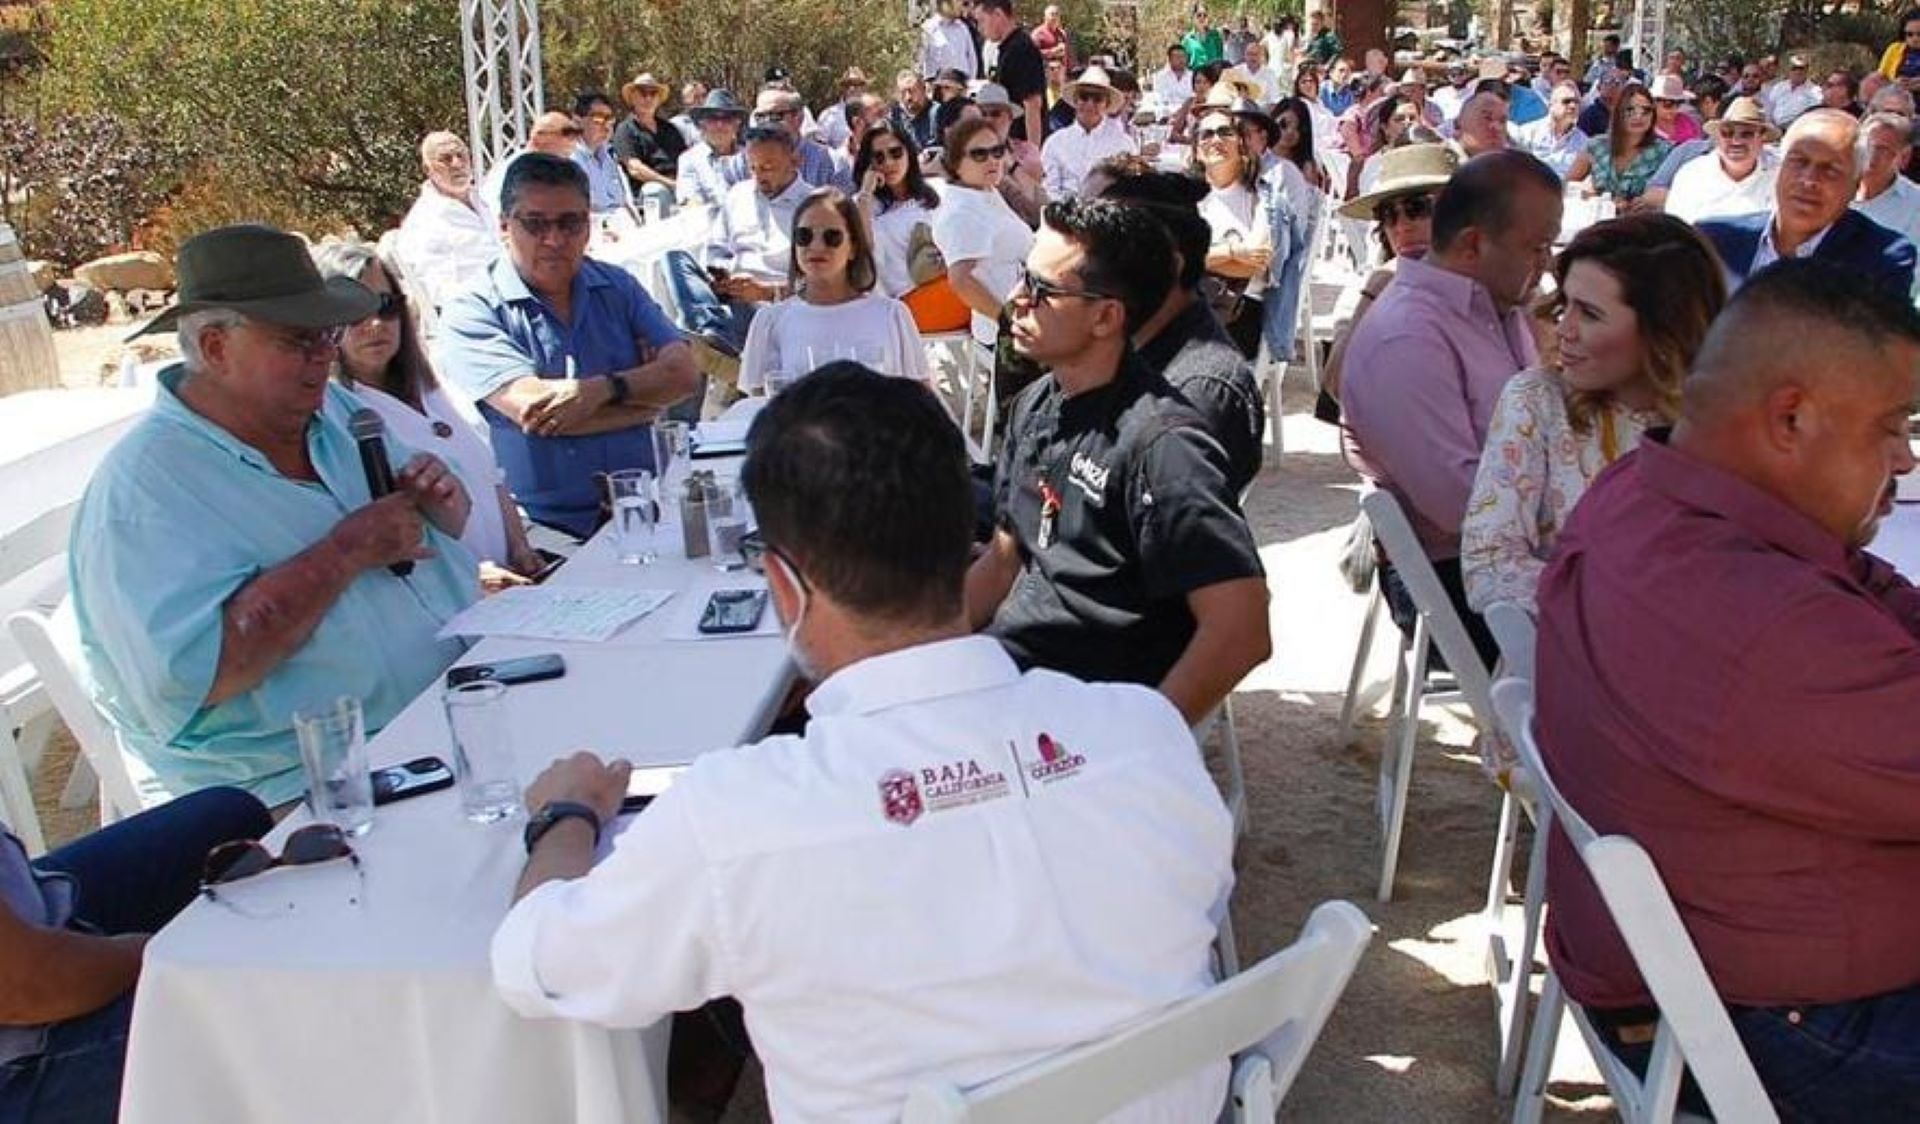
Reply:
x=672, y=444
x=333, y=748
x=778, y=381
x=483, y=763
x=636, y=514
x=727, y=520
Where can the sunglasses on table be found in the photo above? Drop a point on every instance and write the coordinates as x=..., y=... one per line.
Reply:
x=991, y=152
x=1221, y=132
x=832, y=236
x=539, y=226
x=1044, y=291
x=1413, y=208
x=243, y=858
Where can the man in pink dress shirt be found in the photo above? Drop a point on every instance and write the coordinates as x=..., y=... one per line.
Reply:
x=1727, y=677
x=1426, y=366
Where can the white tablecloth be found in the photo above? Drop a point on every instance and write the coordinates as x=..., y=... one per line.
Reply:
x=315, y=1009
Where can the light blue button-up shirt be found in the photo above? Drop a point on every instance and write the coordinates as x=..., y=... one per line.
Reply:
x=500, y=331
x=178, y=517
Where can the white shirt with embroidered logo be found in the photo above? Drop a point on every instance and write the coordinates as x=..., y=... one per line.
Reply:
x=958, y=870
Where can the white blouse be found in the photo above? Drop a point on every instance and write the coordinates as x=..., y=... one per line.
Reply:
x=794, y=337
x=978, y=226
x=450, y=435
x=1239, y=217
x=892, y=232
x=1534, y=469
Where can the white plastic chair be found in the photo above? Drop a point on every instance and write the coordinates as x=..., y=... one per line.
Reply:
x=1694, y=1032
x=52, y=645
x=1512, y=625
x=967, y=366
x=1436, y=624
x=1265, y=1018
x=26, y=712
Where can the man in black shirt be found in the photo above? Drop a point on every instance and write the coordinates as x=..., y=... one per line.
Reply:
x=1016, y=65
x=1120, y=552
x=1183, y=342
x=649, y=146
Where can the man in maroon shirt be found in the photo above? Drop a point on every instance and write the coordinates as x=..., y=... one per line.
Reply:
x=1727, y=677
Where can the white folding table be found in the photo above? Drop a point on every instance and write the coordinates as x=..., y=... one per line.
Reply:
x=312, y=1008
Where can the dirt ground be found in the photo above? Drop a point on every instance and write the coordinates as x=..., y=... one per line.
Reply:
x=1413, y=1038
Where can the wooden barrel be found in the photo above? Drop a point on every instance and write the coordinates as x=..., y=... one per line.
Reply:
x=28, y=360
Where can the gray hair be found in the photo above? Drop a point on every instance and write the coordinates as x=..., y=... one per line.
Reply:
x=531, y=169
x=1902, y=127
x=192, y=324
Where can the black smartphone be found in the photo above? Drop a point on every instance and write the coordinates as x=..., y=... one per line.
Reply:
x=549, y=563
x=526, y=669
x=733, y=610
x=416, y=778
x=718, y=273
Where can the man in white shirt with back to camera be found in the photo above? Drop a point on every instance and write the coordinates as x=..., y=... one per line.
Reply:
x=1071, y=153
x=957, y=870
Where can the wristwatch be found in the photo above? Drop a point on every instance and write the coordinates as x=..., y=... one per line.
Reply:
x=617, y=389
x=549, y=816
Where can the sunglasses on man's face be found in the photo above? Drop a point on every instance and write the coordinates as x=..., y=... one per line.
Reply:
x=1043, y=291
x=539, y=226
x=834, y=237
x=1090, y=95
x=1413, y=208
x=991, y=152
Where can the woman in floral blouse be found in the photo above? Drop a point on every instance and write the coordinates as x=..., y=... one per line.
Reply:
x=1621, y=163
x=1633, y=299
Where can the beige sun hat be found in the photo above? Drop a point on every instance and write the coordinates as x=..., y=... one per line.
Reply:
x=1095, y=79
x=641, y=81
x=1406, y=170
x=1745, y=111
x=1669, y=87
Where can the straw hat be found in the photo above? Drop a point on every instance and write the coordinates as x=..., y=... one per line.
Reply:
x=1669, y=87
x=1095, y=79
x=642, y=81
x=1238, y=82
x=1407, y=170
x=1745, y=111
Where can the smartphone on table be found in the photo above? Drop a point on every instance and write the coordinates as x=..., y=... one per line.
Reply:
x=733, y=610
x=416, y=778
x=526, y=669
x=647, y=782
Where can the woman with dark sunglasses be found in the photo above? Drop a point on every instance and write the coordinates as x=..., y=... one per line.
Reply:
x=1242, y=246
x=894, y=199
x=834, y=313
x=983, y=241
x=382, y=361
x=1401, y=208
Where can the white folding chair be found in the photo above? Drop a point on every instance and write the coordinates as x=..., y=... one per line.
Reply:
x=1695, y=1032
x=1265, y=1018
x=967, y=365
x=26, y=712
x=52, y=644
x=1512, y=625
x=1436, y=624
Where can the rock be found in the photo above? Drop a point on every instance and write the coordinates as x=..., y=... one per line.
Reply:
x=117, y=310
x=82, y=303
x=44, y=274
x=139, y=269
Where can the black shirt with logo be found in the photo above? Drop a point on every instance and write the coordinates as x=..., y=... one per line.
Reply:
x=658, y=148
x=1020, y=69
x=1121, y=505
x=1197, y=359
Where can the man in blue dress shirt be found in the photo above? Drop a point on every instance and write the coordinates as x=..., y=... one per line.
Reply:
x=229, y=564
x=569, y=359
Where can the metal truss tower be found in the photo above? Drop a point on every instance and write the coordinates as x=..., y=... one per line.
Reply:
x=501, y=45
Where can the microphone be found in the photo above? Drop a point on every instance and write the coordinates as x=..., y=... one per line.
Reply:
x=369, y=432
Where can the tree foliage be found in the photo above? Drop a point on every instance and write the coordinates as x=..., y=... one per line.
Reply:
x=78, y=185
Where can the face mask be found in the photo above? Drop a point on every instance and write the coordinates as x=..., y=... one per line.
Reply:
x=791, y=633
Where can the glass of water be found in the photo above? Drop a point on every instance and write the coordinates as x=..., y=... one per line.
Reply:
x=727, y=521
x=333, y=748
x=672, y=444
x=483, y=762
x=636, y=514
x=778, y=381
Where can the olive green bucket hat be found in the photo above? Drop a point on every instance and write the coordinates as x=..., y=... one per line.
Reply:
x=264, y=274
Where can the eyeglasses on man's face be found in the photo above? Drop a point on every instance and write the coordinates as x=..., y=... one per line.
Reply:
x=571, y=225
x=1043, y=291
